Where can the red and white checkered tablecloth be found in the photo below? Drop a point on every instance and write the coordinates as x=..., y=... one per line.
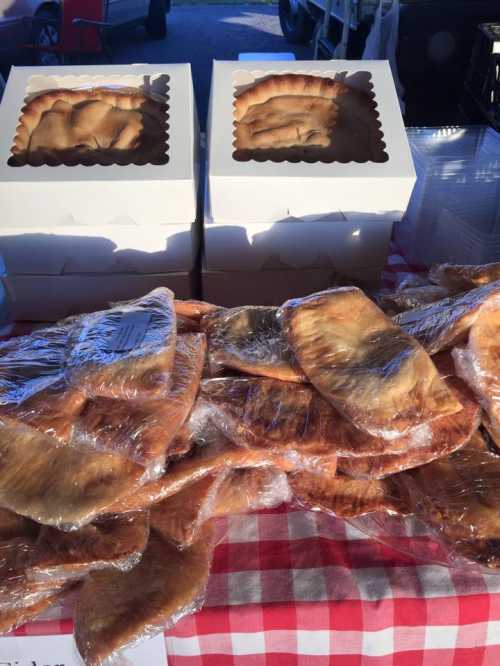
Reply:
x=292, y=587
x=298, y=588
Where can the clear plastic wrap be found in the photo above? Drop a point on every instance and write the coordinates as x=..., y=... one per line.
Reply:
x=143, y=430
x=59, y=485
x=17, y=590
x=114, y=541
x=187, y=325
x=479, y=362
x=297, y=422
x=251, y=489
x=459, y=496
x=116, y=609
x=31, y=363
x=180, y=517
x=446, y=323
x=53, y=411
x=16, y=616
x=367, y=367
x=209, y=456
x=267, y=413
x=345, y=497
x=433, y=440
x=249, y=339
x=126, y=351
x=13, y=525
x=463, y=278
x=411, y=298
x=194, y=309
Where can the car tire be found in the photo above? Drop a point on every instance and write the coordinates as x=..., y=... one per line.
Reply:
x=156, y=23
x=296, y=24
x=47, y=33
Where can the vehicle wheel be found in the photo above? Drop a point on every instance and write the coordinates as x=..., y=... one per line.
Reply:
x=47, y=33
x=295, y=22
x=156, y=23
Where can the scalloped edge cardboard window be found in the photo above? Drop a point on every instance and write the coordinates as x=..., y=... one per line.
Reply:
x=269, y=191
x=142, y=194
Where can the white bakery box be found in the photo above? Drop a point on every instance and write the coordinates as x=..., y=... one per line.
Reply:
x=271, y=286
x=242, y=188
x=79, y=236
x=338, y=215
x=356, y=248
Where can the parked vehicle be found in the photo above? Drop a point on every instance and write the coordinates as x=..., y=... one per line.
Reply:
x=51, y=24
x=435, y=41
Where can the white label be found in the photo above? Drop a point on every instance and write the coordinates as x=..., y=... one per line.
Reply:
x=61, y=651
x=131, y=331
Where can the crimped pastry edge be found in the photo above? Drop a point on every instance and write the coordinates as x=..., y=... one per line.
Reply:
x=32, y=111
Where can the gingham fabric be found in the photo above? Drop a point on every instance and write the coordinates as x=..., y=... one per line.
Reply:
x=292, y=587
x=297, y=588
x=398, y=269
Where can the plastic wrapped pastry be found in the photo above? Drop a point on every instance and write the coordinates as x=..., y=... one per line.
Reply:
x=479, y=362
x=142, y=430
x=126, y=351
x=187, y=325
x=16, y=616
x=31, y=363
x=249, y=339
x=114, y=541
x=117, y=608
x=212, y=452
x=180, y=517
x=366, y=366
x=60, y=485
x=436, y=439
x=193, y=309
x=17, y=589
x=12, y=525
x=252, y=489
x=278, y=416
x=463, y=278
x=344, y=497
x=412, y=297
x=53, y=411
x=271, y=415
x=215, y=454
x=460, y=496
x=276, y=421
x=446, y=323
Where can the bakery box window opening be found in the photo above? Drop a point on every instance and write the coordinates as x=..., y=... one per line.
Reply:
x=85, y=120
x=298, y=117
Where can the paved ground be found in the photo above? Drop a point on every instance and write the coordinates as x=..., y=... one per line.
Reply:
x=198, y=34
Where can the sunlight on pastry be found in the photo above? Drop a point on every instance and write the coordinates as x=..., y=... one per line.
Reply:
x=95, y=126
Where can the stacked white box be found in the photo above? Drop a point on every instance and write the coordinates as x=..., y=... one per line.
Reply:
x=71, y=225
x=333, y=217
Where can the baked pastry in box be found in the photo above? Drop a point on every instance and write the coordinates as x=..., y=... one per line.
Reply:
x=295, y=117
x=92, y=126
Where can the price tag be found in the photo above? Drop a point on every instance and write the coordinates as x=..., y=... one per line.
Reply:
x=61, y=651
x=131, y=331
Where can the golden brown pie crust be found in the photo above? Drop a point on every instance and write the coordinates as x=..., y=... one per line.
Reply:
x=93, y=126
x=294, y=117
x=300, y=85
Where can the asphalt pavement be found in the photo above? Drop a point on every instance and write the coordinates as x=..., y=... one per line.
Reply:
x=201, y=33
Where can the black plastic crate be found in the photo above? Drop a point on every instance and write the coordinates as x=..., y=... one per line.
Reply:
x=483, y=78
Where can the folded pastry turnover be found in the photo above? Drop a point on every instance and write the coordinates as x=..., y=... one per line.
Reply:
x=96, y=125
x=286, y=111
